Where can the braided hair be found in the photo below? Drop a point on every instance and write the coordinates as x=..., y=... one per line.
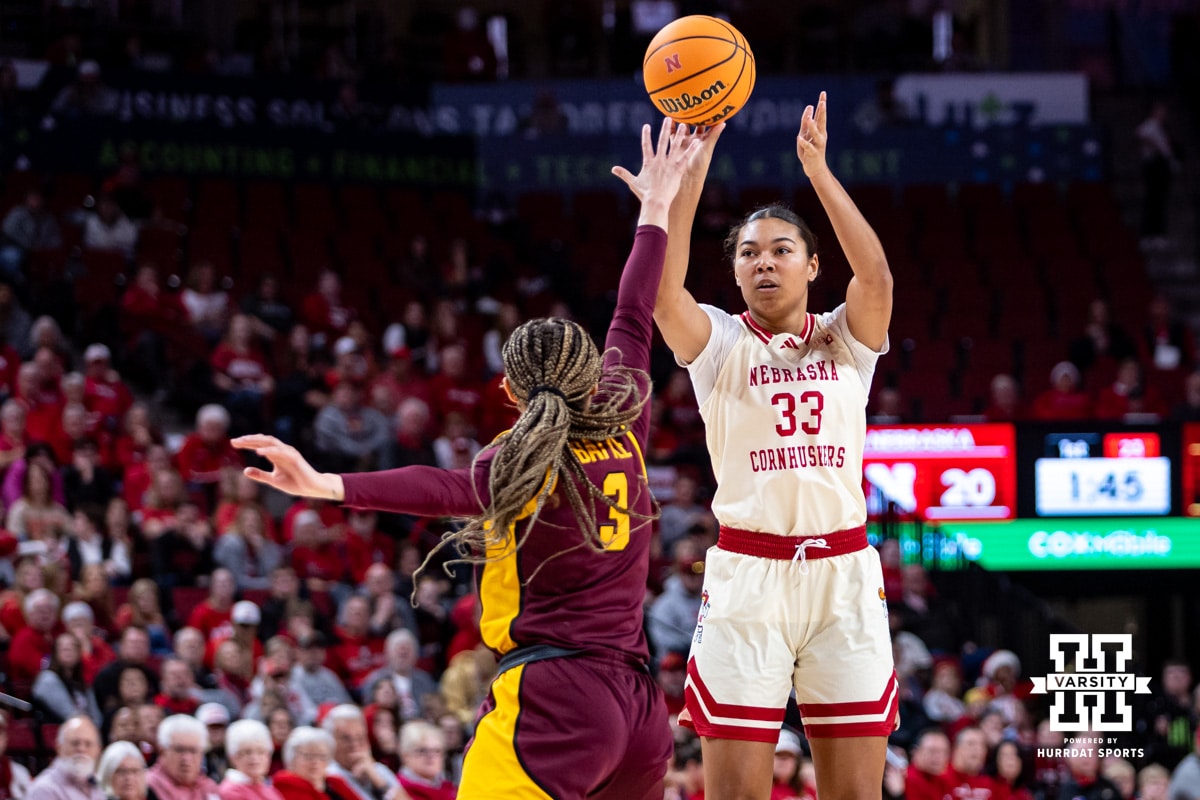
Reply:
x=553, y=367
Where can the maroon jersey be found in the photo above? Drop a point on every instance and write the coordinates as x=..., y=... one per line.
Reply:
x=557, y=589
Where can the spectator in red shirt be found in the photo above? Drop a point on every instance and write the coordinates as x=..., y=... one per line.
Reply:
x=104, y=394
x=315, y=558
x=31, y=647
x=423, y=762
x=1065, y=399
x=178, y=693
x=206, y=452
x=323, y=310
x=964, y=778
x=927, y=770
x=138, y=435
x=241, y=630
x=357, y=653
x=1129, y=393
x=240, y=371
x=237, y=493
x=150, y=318
x=330, y=514
x=80, y=622
x=670, y=678
x=42, y=397
x=1004, y=400
x=402, y=379
x=414, y=434
x=140, y=477
x=453, y=390
x=71, y=432
x=366, y=544
x=12, y=433
x=211, y=615
x=28, y=577
x=788, y=753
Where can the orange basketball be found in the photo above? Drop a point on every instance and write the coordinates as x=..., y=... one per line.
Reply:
x=699, y=70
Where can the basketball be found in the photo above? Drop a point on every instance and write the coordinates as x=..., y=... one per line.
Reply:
x=699, y=70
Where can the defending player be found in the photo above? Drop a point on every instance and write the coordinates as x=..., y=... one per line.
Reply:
x=573, y=712
x=794, y=592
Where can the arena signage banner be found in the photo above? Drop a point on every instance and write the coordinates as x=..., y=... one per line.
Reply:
x=527, y=135
x=1071, y=544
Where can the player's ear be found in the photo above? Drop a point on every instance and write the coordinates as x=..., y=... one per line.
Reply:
x=504, y=384
x=814, y=268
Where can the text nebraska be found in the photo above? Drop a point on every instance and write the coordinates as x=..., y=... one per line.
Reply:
x=816, y=371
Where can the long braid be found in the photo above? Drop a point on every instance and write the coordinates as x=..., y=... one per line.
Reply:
x=553, y=367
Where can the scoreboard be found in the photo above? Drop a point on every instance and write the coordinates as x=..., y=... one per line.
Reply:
x=1038, y=495
x=941, y=472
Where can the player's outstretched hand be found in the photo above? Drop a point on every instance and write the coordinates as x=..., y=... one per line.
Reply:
x=810, y=142
x=662, y=168
x=291, y=473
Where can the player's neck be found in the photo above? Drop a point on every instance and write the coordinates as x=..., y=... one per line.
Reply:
x=792, y=322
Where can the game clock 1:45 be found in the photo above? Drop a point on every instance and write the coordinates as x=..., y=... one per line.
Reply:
x=1100, y=486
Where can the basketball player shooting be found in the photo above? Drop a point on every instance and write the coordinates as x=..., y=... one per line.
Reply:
x=795, y=593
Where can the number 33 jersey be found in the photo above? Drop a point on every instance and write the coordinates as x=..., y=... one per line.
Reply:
x=785, y=422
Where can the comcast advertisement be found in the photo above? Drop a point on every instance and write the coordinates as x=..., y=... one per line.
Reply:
x=1027, y=544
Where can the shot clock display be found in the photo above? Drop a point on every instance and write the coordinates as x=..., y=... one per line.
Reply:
x=1093, y=473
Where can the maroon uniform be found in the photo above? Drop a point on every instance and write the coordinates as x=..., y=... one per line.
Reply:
x=558, y=593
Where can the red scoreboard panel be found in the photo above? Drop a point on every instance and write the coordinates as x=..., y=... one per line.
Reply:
x=1191, y=469
x=942, y=472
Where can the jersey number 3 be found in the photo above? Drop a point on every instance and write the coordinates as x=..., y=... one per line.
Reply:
x=614, y=535
x=812, y=404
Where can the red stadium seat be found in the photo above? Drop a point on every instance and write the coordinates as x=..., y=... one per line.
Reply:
x=22, y=735
x=171, y=196
x=217, y=205
x=314, y=209
x=184, y=599
x=362, y=209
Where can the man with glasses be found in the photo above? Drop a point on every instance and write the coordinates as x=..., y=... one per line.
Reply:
x=354, y=774
x=178, y=773
x=423, y=762
x=72, y=776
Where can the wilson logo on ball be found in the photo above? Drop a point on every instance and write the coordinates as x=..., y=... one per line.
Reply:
x=698, y=70
x=685, y=102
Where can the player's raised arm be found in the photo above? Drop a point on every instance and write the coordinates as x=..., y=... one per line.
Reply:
x=426, y=491
x=869, y=295
x=684, y=325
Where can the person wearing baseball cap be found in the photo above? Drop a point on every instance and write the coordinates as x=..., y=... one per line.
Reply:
x=216, y=719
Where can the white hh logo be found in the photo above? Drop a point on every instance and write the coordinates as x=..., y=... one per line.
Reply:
x=1088, y=678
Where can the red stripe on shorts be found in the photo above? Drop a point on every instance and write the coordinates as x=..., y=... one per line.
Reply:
x=766, y=720
x=784, y=548
x=837, y=730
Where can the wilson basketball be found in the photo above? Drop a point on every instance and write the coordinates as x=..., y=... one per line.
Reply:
x=699, y=70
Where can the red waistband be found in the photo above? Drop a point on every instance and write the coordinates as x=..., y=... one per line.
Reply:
x=786, y=548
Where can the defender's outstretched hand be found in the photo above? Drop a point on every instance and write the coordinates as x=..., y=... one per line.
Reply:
x=662, y=169
x=291, y=473
x=810, y=142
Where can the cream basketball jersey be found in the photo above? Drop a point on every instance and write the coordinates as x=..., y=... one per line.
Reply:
x=785, y=421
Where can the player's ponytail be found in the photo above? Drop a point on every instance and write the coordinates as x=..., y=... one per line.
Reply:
x=554, y=368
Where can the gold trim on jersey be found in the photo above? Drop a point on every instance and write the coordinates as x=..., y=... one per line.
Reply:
x=493, y=767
